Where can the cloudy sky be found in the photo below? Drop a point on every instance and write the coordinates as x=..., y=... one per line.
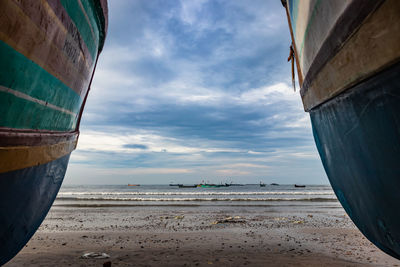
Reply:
x=193, y=90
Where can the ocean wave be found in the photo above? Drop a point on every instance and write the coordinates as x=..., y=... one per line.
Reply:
x=317, y=199
x=214, y=193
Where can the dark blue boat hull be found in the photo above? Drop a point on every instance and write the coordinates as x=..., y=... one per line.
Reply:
x=358, y=138
x=26, y=196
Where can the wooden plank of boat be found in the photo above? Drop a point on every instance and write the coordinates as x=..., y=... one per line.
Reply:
x=48, y=52
x=348, y=53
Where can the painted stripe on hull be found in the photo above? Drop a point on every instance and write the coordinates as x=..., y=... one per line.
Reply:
x=21, y=74
x=372, y=48
x=61, y=29
x=312, y=21
x=19, y=157
x=67, y=22
x=89, y=32
x=348, y=22
x=35, y=100
x=90, y=21
x=28, y=39
x=293, y=11
x=24, y=76
x=25, y=198
x=358, y=138
x=14, y=137
x=23, y=114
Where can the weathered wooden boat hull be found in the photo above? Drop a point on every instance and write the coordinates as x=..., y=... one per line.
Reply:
x=26, y=197
x=48, y=52
x=348, y=61
x=358, y=138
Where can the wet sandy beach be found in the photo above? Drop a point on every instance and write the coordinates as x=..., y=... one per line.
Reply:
x=200, y=236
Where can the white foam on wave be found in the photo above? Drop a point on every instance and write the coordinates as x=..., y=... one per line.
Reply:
x=193, y=199
x=215, y=193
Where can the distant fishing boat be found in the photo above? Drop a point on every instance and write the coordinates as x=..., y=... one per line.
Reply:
x=212, y=185
x=299, y=185
x=48, y=50
x=275, y=184
x=133, y=184
x=262, y=184
x=347, y=55
x=175, y=184
x=208, y=185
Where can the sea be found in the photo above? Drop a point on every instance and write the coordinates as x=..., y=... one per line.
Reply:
x=166, y=195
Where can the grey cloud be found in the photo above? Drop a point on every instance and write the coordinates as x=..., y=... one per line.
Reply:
x=136, y=146
x=224, y=47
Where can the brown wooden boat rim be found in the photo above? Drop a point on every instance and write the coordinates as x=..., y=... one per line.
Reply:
x=29, y=137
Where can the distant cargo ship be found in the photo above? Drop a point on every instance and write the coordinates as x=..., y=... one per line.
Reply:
x=48, y=52
x=348, y=61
